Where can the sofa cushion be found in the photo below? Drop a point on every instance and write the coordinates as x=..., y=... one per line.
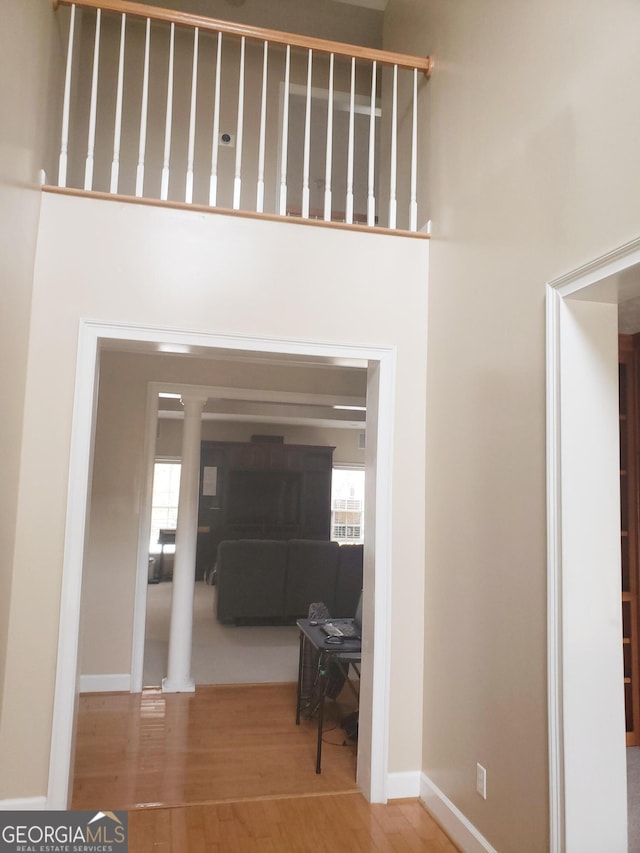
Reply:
x=349, y=581
x=312, y=567
x=250, y=579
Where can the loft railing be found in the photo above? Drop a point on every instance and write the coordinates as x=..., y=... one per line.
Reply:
x=177, y=107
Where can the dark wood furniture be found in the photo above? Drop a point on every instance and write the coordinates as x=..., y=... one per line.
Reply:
x=261, y=490
x=629, y=347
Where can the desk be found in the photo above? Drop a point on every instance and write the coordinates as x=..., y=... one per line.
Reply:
x=344, y=654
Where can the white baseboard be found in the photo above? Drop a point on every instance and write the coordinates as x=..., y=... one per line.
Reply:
x=403, y=785
x=461, y=831
x=112, y=683
x=24, y=804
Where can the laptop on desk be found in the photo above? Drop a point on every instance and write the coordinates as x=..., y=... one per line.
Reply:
x=348, y=629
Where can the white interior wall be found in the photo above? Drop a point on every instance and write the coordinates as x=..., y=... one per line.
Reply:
x=532, y=172
x=127, y=263
x=29, y=50
x=326, y=19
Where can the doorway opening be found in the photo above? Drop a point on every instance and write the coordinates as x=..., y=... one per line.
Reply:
x=372, y=750
x=585, y=652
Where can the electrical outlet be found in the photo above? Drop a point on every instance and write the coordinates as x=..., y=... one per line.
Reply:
x=481, y=781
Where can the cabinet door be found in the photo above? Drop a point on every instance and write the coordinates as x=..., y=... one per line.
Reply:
x=248, y=456
x=316, y=505
x=218, y=462
x=319, y=460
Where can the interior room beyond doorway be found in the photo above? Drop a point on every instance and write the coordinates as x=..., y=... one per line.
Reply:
x=109, y=363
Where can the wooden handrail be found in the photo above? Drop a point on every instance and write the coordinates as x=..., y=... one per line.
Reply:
x=242, y=214
x=155, y=13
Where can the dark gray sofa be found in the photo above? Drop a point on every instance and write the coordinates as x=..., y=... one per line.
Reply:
x=266, y=581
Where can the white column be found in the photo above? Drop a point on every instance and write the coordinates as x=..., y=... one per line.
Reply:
x=178, y=678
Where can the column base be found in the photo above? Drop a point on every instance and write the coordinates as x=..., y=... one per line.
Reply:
x=182, y=686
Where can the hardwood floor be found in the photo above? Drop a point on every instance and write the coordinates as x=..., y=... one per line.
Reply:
x=220, y=743
x=322, y=824
x=226, y=770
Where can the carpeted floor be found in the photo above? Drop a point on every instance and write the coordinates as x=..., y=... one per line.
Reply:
x=222, y=654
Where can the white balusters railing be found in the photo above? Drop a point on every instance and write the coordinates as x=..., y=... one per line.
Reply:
x=117, y=128
x=413, y=203
x=263, y=131
x=188, y=192
x=66, y=103
x=284, y=144
x=371, y=199
x=350, y=143
x=394, y=150
x=320, y=130
x=213, y=178
x=329, y=144
x=144, y=111
x=307, y=140
x=237, y=181
x=93, y=110
x=164, y=186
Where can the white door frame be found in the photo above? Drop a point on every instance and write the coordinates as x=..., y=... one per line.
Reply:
x=373, y=738
x=584, y=784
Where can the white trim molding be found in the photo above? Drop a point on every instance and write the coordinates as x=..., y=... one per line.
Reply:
x=461, y=831
x=404, y=785
x=80, y=462
x=554, y=579
x=600, y=281
x=110, y=683
x=24, y=804
x=616, y=261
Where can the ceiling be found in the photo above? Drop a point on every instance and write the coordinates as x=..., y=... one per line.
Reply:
x=621, y=289
x=219, y=354
x=629, y=317
x=254, y=387
x=240, y=410
x=377, y=5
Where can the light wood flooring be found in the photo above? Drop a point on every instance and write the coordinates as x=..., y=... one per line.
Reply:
x=323, y=824
x=218, y=744
x=226, y=770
